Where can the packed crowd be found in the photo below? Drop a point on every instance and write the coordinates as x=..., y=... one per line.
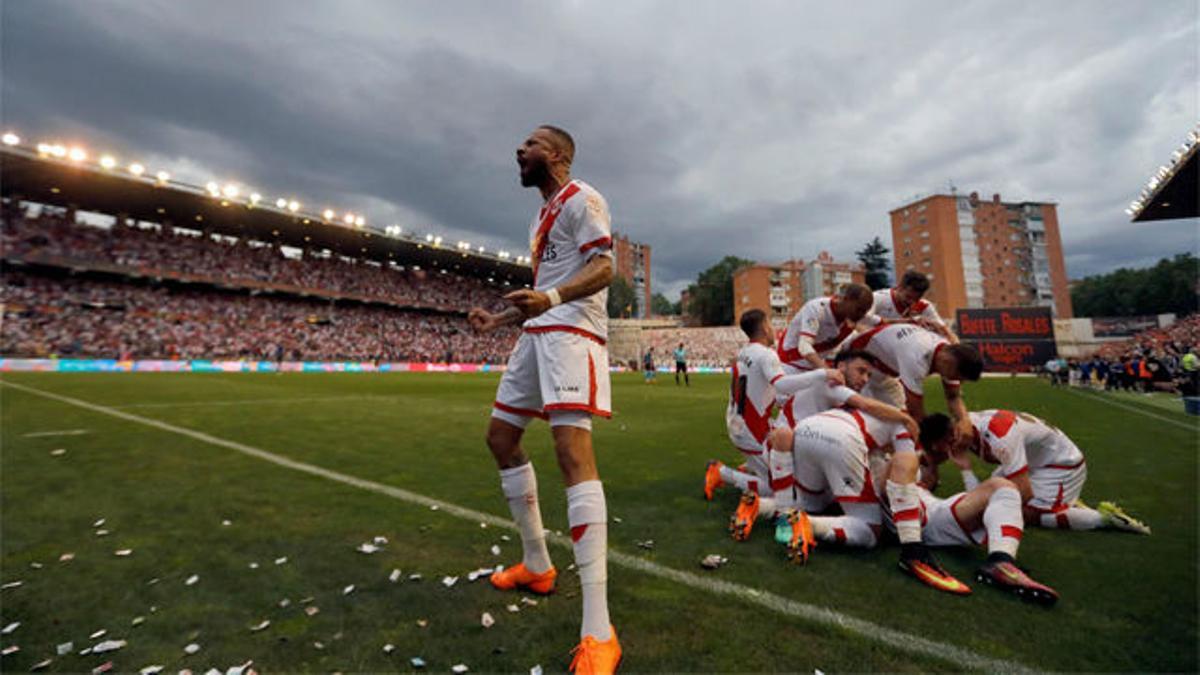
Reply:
x=74, y=317
x=1159, y=359
x=709, y=347
x=171, y=252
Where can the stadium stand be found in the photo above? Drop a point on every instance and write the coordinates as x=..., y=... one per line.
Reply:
x=77, y=290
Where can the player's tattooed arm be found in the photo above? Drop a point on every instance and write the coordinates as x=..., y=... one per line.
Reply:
x=595, y=276
x=484, y=321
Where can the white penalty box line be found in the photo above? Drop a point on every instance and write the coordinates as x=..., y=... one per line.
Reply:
x=898, y=640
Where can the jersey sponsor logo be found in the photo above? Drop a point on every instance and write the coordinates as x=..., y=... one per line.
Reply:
x=1001, y=422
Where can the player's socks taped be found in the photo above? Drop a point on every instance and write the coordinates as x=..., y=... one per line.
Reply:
x=520, y=489
x=905, y=504
x=1003, y=521
x=970, y=480
x=1074, y=518
x=844, y=530
x=587, y=515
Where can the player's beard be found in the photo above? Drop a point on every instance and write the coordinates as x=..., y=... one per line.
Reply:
x=534, y=174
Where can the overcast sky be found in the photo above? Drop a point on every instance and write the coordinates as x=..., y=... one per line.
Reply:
x=753, y=128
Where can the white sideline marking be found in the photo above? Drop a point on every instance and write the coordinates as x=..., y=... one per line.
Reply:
x=1100, y=397
x=913, y=644
x=251, y=401
x=64, y=432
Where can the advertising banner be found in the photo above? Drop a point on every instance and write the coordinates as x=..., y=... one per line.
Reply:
x=1013, y=339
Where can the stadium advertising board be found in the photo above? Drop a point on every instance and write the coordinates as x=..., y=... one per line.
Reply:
x=200, y=366
x=1010, y=339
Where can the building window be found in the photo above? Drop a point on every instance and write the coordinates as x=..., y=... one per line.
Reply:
x=925, y=248
x=927, y=262
x=924, y=234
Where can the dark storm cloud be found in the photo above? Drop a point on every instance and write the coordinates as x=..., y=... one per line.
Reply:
x=764, y=131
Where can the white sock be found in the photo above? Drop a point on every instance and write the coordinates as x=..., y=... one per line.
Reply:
x=1004, y=522
x=906, y=511
x=1074, y=518
x=520, y=489
x=588, y=517
x=783, y=483
x=742, y=481
x=767, y=508
x=843, y=530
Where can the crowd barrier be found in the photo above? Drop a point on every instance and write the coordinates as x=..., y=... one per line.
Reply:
x=199, y=366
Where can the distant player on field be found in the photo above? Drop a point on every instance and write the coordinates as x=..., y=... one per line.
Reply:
x=906, y=303
x=1045, y=465
x=558, y=371
x=681, y=365
x=821, y=326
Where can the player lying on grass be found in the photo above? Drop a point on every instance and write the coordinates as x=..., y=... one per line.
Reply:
x=808, y=394
x=1046, y=466
x=988, y=514
x=831, y=465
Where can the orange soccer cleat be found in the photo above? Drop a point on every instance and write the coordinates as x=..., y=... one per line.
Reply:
x=921, y=564
x=743, y=519
x=593, y=657
x=518, y=576
x=712, y=479
x=801, y=542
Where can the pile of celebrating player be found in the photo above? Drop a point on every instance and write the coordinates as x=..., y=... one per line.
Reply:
x=852, y=451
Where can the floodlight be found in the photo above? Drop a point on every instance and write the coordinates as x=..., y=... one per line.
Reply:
x=108, y=162
x=11, y=139
x=137, y=169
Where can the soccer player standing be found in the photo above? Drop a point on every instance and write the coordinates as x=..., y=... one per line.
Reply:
x=681, y=365
x=558, y=371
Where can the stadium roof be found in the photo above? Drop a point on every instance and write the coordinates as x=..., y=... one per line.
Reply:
x=49, y=177
x=1171, y=192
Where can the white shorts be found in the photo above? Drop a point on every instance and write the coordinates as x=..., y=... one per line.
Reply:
x=1056, y=488
x=830, y=460
x=942, y=527
x=557, y=375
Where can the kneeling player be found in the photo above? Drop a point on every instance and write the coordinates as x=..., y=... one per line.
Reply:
x=1046, y=467
x=808, y=394
x=831, y=464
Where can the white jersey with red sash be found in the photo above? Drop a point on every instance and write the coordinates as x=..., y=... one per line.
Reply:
x=816, y=325
x=571, y=228
x=752, y=396
x=560, y=362
x=904, y=351
x=887, y=307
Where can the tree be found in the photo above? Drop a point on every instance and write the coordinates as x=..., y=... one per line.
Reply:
x=1169, y=286
x=874, y=257
x=712, y=294
x=621, y=298
x=661, y=306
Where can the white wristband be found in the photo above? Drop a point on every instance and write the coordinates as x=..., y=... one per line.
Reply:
x=555, y=298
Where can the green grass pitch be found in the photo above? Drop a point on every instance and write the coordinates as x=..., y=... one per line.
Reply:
x=1129, y=603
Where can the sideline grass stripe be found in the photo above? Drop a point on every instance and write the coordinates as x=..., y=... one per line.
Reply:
x=1132, y=408
x=895, y=639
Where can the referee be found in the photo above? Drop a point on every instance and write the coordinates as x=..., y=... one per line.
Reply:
x=681, y=365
